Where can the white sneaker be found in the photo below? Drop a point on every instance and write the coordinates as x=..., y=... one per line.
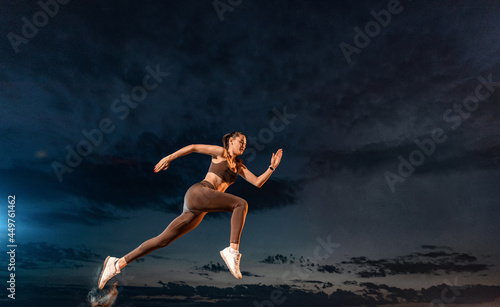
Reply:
x=232, y=261
x=108, y=271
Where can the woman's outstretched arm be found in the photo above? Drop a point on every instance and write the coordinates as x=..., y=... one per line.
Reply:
x=259, y=181
x=211, y=150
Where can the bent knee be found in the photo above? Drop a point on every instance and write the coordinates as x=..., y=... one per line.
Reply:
x=243, y=204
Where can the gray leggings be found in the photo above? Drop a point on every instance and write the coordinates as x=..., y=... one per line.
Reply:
x=199, y=199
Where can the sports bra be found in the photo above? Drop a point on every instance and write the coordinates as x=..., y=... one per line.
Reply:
x=222, y=170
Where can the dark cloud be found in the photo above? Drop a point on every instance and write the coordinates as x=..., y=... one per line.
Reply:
x=289, y=59
x=281, y=259
x=182, y=293
x=38, y=255
x=277, y=259
x=218, y=268
x=444, y=261
x=371, y=157
x=391, y=294
x=329, y=269
x=291, y=259
x=212, y=267
x=248, y=274
x=97, y=190
x=350, y=283
x=433, y=247
x=417, y=263
x=90, y=215
x=444, y=256
x=302, y=262
x=468, y=294
x=318, y=285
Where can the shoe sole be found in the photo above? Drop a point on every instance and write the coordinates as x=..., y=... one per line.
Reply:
x=228, y=266
x=102, y=272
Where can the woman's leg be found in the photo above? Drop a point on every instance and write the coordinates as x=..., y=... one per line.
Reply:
x=209, y=200
x=199, y=200
x=184, y=223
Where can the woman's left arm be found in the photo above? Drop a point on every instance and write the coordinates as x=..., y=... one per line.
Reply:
x=259, y=181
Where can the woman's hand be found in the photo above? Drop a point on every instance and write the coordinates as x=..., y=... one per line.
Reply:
x=276, y=158
x=163, y=164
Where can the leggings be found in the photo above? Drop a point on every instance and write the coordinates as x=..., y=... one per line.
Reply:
x=199, y=199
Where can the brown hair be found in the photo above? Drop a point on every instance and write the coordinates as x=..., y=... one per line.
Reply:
x=225, y=142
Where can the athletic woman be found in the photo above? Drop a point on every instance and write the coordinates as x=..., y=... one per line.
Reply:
x=205, y=196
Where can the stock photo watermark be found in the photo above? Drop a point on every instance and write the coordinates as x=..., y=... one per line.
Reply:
x=258, y=142
x=224, y=6
x=448, y=294
x=121, y=107
x=11, y=246
x=30, y=28
x=454, y=116
x=321, y=253
x=362, y=39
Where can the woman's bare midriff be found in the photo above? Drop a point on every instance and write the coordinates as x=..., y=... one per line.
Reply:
x=216, y=181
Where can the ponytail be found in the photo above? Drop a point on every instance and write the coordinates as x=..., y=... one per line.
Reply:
x=225, y=140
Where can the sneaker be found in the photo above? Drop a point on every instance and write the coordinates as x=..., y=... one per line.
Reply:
x=108, y=271
x=232, y=261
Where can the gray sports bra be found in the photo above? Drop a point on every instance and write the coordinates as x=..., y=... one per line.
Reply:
x=222, y=170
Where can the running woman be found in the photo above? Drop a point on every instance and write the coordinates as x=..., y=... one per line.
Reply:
x=205, y=196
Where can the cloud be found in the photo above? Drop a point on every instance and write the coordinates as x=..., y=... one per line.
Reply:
x=350, y=283
x=467, y=294
x=218, y=268
x=303, y=262
x=95, y=190
x=38, y=255
x=214, y=268
x=90, y=215
x=318, y=285
x=448, y=157
x=444, y=261
x=435, y=247
x=182, y=293
x=285, y=60
x=291, y=259
x=277, y=259
x=329, y=269
x=417, y=263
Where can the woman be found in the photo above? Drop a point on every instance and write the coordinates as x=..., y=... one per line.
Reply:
x=205, y=196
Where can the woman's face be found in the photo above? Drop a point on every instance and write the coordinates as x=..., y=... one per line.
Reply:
x=238, y=144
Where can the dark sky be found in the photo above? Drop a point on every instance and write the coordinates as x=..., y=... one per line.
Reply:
x=387, y=113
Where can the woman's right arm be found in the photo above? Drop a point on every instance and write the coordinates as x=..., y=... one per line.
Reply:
x=212, y=150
